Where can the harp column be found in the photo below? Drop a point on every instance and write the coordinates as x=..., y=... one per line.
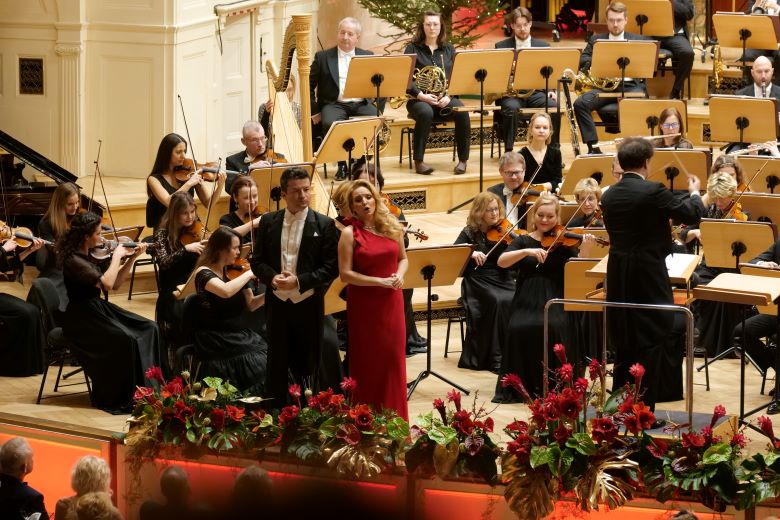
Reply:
x=303, y=50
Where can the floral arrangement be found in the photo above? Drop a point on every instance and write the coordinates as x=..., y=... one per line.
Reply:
x=454, y=442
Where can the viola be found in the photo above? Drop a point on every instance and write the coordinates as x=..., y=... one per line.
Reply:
x=503, y=231
x=237, y=268
x=192, y=234
x=558, y=236
x=185, y=170
x=104, y=251
x=23, y=236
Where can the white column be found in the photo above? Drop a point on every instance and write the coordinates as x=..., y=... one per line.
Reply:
x=71, y=131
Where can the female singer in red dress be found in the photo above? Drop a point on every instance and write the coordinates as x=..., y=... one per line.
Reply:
x=372, y=260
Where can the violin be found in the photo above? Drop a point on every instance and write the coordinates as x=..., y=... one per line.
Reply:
x=104, y=251
x=594, y=219
x=558, y=236
x=391, y=206
x=736, y=212
x=237, y=268
x=192, y=234
x=500, y=232
x=23, y=236
x=532, y=192
x=415, y=232
x=184, y=171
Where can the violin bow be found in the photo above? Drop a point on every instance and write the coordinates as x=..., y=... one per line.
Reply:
x=99, y=175
x=563, y=230
x=745, y=189
x=211, y=203
x=187, y=130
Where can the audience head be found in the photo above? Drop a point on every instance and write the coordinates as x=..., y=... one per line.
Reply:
x=369, y=173
x=170, y=153
x=65, y=202
x=634, y=155
x=617, y=16
x=90, y=474
x=349, y=34
x=511, y=165
x=486, y=209
x=520, y=20
x=671, y=122
x=540, y=128
x=96, y=506
x=685, y=515
x=16, y=458
x=295, y=184
x=762, y=72
x=430, y=26
x=730, y=165
x=253, y=138
x=545, y=212
x=252, y=488
x=174, y=485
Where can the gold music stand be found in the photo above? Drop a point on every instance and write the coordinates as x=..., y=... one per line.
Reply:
x=345, y=137
x=637, y=116
x=652, y=17
x=267, y=179
x=759, y=270
x=535, y=66
x=333, y=300
x=627, y=59
x=728, y=241
x=445, y=264
x=599, y=167
x=666, y=165
x=762, y=207
x=747, y=31
x=680, y=268
x=743, y=119
x=769, y=178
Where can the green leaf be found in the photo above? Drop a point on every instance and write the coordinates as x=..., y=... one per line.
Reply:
x=567, y=457
x=443, y=435
x=425, y=421
x=330, y=427
x=192, y=437
x=398, y=429
x=541, y=455
x=213, y=382
x=582, y=443
x=771, y=457
x=717, y=453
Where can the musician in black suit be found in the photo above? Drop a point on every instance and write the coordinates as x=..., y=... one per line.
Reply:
x=329, y=77
x=296, y=258
x=770, y=7
x=254, y=139
x=762, y=85
x=617, y=16
x=679, y=45
x=18, y=501
x=511, y=165
x=636, y=214
x=520, y=20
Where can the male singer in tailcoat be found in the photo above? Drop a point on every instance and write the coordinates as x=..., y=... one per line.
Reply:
x=636, y=214
x=296, y=257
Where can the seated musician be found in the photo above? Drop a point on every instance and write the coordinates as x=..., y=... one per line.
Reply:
x=64, y=206
x=520, y=21
x=328, y=79
x=430, y=45
x=265, y=111
x=511, y=165
x=588, y=193
x=176, y=248
x=541, y=158
x=166, y=179
x=255, y=153
x=585, y=104
x=762, y=86
x=769, y=7
x=246, y=215
x=679, y=45
x=670, y=122
x=727, y=164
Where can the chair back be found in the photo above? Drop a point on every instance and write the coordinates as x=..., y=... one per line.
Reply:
x=44, y=295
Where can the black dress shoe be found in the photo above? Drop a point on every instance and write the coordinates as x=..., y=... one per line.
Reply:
x=658, y=424
x=422, y=169
x=412, y=350
x=773, y=409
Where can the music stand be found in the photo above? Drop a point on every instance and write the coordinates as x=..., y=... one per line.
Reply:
x=769, y=178
x=679, y=267
x=132, y=233
x=333, y=301
x=344, y=136
x=599, y=167
x=747, y=31
x=744, y=290
x=447, y=263
x=650, y=17
x=762, y=207
x=637, y=116
x=634, y=59
x=666, y=165
x=743, y=119
x=535, y=66
x=267, y=180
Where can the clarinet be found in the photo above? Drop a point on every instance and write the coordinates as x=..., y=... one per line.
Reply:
x=565, y=81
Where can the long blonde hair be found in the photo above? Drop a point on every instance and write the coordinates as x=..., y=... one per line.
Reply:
x=180, y=202
x=543, y=200
x=480, y=205
x=384, y=223
x=58, y=219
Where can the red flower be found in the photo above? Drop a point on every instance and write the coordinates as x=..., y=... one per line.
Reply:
x=632, y=424
x=765, y=424
x=488, y=425
x=348, y=433
x=142, y=392
x=566, y=372
x=603, y=429
x=288, y=414
x=537, y=413
x=295, y=391
x=550, y=408
x=155, y=374
x=362, y=416
x=257, y=415
x=181, y=411
x=439, y=405
x=581, y=385
x=461, y=421
x=453, y=396
x=218, y=418
x=515, y=382
x=692, y=440
x=627, y=405
x=738, y=439
x=517, y=426
x=562, y=433
x=560, y=352
x=348, y=385
x=644, y=415
x=720, y=411
x=568, y=403
x=595, y=369
x=638, y=371
x=235, y=413
x=658, y=448
x=175, y=387
x=520, y=448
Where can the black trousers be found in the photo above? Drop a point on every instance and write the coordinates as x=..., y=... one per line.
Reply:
x=340, y=111
x=510, y=117
x=423, y=115
x=757, y=327
x=682, y=54
x=590, y=101
x=294, y=345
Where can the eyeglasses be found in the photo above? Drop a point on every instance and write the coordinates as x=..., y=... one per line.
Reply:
x=492, y=210
x=257, y=139
x=513, y=173
x=669, y=126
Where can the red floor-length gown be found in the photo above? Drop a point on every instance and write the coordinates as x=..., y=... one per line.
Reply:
x=377, y=332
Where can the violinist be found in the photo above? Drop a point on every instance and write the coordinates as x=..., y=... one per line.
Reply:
x=511, y=166
x=487, y=289
x=415, y=344
x=587, y=192
x=721, y=191
x=224, y=345
x=114, y=346
x=246, y=216
x=255, y=153
x=166, y=179
x=64, y=206
x=21, y=333
x=671, y=122
x=538, y=152
x=538, y=260
x=176, y=251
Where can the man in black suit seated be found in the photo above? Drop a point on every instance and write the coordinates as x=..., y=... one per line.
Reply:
x=771, y=7
x=761, y=87
x=520, y=20
x=328, y=79
x=254, y=139
x=636, y=214
x=296, y=258
x=679, y=45
x=511, y=165
x=18, y=501
x=617, y=16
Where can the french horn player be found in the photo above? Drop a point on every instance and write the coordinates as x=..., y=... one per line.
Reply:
x=433, y=52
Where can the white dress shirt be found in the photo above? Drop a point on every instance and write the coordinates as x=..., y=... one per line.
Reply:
x=344, y=59
x=292, y=232
x=512, y=216
x=522, y=44
x=757, y=90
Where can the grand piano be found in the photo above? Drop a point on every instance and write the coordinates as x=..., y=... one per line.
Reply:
x=23, y=203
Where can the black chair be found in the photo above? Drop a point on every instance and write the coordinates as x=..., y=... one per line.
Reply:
x=59, y=348
x=460, y=318
x=408, y=131
x=184, y=356
x=144, y=261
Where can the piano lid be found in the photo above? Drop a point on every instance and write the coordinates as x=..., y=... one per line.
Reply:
x=44, y=165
